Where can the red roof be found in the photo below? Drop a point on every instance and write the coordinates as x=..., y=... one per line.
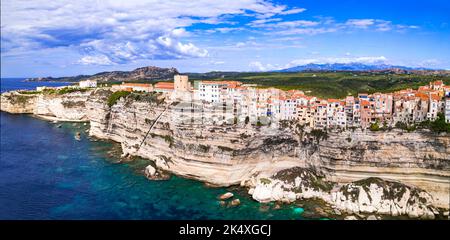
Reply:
x=136, y=84
x=435, y=97
x=164, y=85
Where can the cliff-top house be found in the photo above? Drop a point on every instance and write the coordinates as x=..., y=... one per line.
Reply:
x=87, y=84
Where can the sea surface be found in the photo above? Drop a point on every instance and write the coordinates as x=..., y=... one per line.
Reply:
x=45, y=173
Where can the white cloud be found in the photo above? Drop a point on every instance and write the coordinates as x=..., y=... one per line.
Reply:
x=180, y=32
x=293, y=11
x=269, y=23
x=377, y=24
x=429, y=63
x=360, y=23
x=181, y=49
x=306, y=31
x=224, y=29
x=121, y=30
x=95, y=60
x=258, y=66
x=365, y=60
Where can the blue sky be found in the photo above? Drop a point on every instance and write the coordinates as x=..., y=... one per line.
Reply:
x=64, y=38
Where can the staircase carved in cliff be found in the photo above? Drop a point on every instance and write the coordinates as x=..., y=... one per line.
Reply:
x=153, y=124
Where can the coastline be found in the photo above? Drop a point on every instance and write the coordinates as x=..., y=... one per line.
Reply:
x=124, y=124
x=52, y=119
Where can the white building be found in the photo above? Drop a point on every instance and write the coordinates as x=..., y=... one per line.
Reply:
x=214, y=91
x=336, y=116
x=447, y=106
x=88, y=84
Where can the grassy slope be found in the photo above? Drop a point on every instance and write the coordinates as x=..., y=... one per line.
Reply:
x=336, y=85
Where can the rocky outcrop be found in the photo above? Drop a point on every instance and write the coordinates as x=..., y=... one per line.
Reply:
x=62, y=107
x=418, y=158
x=14, y=102
x=367, y=196
x=69, y=107
x=144, y=73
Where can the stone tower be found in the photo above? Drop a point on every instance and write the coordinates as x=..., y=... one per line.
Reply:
x=181, y=83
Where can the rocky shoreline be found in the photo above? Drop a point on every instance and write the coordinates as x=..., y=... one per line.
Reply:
x=382, y=174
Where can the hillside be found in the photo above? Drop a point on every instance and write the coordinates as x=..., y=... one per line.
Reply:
x=347, y=67
x=332, y=84
x=149, y=73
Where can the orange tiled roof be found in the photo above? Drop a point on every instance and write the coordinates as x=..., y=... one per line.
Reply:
x=365, y=103
x=435, y=97
x=164, y=85
x=136, y=84
x=422, y=96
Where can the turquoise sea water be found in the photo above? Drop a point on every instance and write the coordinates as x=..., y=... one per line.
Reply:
x=46, y=174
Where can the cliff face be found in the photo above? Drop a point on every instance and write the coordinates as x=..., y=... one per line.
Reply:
x=17, y=103
x=65, y=107
x=240, y=154
x=231, y=154
x=366, y=196
x=70, y=106
x=220, y=155
x=421, y=159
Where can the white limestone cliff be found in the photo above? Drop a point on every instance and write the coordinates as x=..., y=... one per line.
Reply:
x=233, y=154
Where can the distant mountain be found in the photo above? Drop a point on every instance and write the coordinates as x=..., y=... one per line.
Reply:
x=149, y=73
x=348, y=67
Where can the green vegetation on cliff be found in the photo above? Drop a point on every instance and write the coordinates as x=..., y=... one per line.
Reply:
x=63, y=91
x=438, y=126
x=114, y=97
x=18, y=99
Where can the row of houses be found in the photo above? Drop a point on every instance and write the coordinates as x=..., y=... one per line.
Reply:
x=237, y=100
x=406, y=106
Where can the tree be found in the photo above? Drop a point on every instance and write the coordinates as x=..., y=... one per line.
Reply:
x=439, y=125
x=375, y=126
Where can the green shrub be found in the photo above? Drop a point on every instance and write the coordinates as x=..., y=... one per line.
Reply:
x=113, y=98
x=439, y=125
x=265, y=180
x=223, y=148
x=29, y=92
x=63, y=91
x=319, y=134
x=401, y=125
x=204, y=148
x=374, y=126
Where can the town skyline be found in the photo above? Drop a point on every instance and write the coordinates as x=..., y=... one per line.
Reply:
x=231, y=102
x=206, y=36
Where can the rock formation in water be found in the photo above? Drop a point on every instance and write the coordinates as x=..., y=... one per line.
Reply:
x=415, y=166
x=366, y=196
